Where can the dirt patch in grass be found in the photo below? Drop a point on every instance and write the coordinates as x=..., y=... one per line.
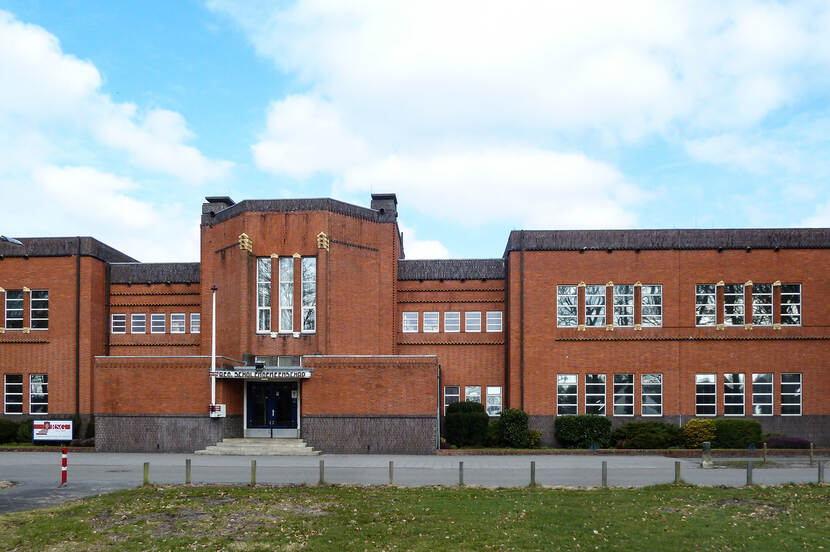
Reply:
x=6, y=484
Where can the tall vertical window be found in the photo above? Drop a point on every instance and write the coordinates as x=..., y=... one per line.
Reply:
x=38, y=394
x=566, y=306
x=13, y=394
x=623, y=394
x=195, y=322
x=493, y=321
x=705, y=395
x=138, y=323
x=472, y=321
x=472, y=393
x=651, y=394
x=119, y=323
x=733, y=394
x=286, y=283
x=39, y=309
x=410, y=322
x=762, y=394
x=595, y=306
x=451, y=395
x=706, y=301
x=263, y=294
x=157, y=322
x=452, y=322
x=309, y=273
x=624, y=306
x=493, y=400
x=791, y=394
x=651, y=301
x=595, y=394
x=178, y=322
x=733, y=305
x=14, y=309
x=431, y=322
x=791, y=304
x=762, y=304
x=566, y=394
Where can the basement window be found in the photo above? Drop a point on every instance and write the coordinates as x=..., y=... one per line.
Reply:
x=791, y=394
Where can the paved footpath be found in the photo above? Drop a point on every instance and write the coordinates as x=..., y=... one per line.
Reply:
x=37, y=474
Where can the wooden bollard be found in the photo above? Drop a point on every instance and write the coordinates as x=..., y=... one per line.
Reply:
x=749, y=473
x=461, y=474
x=811, y=454
x=677, y=478
x=532, y=473
x=146, y=473
x=604, y=473
x=187, y=471
x=391, y=472
x=253, y=473
x=820, y=472
x=765, y=452
x=322, y=480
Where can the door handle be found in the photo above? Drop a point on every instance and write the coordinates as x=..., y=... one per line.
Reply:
x=272, y=414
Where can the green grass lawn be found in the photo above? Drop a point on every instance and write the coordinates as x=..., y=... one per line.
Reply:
x=339, y=518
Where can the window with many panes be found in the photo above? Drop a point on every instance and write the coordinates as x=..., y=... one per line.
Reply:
x=472, y=393
x=762, y=394
x=791, y=394
x=762, y=304
x=13, y=394
x=566, y=394
x=733, y=394
x=706, y=301
x=14, y=309
x=309, y=298
x=566, y=307
x=157, y=322
x=595, y=394
x=651, y=302
x=705, y=395
x=624, y=305
x=178, y=322
x=451, y=395
x=286, y=294
x=494, y=321
x=493, y=400
x=472, y=321
x=138, y=323
x=39, y=309
x=623, y=394
x=733, y=305
x=595, y=306
x=263, y=294
x=651, y=394
x=409, y=323
x=119, y=323
x=452, y=322
x=195, y=322
x=431, y=320
x=790, y=304
x=38, y=394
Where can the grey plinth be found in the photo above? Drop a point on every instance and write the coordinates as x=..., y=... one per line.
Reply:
x=706, y=456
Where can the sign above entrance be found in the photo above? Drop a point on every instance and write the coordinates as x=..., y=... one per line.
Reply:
x=276, y=374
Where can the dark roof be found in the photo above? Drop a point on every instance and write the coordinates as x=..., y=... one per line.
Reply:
x=451, y=269
x=156, y=273
x=755, y=238
x=283, y=205
x=64, y=247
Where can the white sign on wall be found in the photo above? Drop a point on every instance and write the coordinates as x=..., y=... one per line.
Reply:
x=52, y=430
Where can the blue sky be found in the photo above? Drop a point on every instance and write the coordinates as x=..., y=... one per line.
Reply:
x=116, y=119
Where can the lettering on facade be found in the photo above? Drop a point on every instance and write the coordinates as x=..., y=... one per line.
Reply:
x=264, y=374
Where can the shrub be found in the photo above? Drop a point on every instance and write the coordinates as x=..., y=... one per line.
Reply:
x=466, y=423
x=8, y=430
x=24, y=432
x=76, y=426
x=787, y=443
x=737, y=433
x=534, y=437
x=515, y=428
x=495, y=433
x=90, y=429
x=647, y=435
x=696, y=431
x=583, y=430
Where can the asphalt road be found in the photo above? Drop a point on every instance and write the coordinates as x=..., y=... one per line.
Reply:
x=37, y=474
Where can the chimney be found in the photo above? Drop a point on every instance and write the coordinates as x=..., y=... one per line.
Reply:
x=386, y=205
x=214, y=204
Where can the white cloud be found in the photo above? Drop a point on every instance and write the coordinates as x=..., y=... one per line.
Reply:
x=820, y=218
x=751, y=154
x=421, y=249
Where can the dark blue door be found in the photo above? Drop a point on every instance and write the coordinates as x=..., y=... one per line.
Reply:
x=272, y=405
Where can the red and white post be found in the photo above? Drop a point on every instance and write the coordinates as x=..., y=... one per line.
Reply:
x=63, y=466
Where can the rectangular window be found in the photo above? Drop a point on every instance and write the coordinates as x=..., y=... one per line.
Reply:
x=762, y=394
x=195, y=322
x=119, y=323
x=309, y=273
x=651, y=394
x=494, y=321
x=733, y=304
x=157, y=322
x=566, y=307
x=706, y=300
x=706, y=403
x=791, y=304
x=14, y=309
x=595, y=306
x=566, y=394
x=733, y=394
x=493, y=400
x=138, y=323
x=472, y=321
x=38, y=394
x=623, y=394
x=452, y=322
x=451, y=395
x=39, y=309
x=595, y=394
x=762, y=304
x=263, y=294
x=472, y=393
x=431, y=322
x=178, y=322
x=651, y=301
x=410, y=322
x=13, y=396
x=624, y=306
x=791, y=394
x=286, y=283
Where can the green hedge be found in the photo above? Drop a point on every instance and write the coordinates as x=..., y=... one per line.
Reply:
x=737, y=433
x=647, y=435
x=515, y=430
x=8, y=430
x=466, y=424
x=583, y=431
x=24, y=432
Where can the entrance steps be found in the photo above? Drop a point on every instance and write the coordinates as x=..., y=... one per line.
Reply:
x=259, y=447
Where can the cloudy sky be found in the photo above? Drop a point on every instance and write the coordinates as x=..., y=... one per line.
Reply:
x=116, y=119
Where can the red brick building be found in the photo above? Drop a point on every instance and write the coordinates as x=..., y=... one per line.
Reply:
x=325, y=332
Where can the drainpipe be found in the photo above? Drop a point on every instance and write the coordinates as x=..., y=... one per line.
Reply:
x=438, y=413
x=78, y=329
x=522, y=321
x=213, y=348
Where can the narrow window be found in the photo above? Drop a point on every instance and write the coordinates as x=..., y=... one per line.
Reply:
x=733, y=304
x=706, y=305
x=623, y=394
x=472, y=393
x=431, y=322
x=762, y=304
x=138, y=323
x=472, y=321
x=119, y=323
x=651, y=394
x=705, y=395
x=39, y=309
x=410, y=322
x=177, y=322
x=762, y=394
x=38, y=394
x=493, y=400
x=791, y=394
x=566, y=307
x=452, y=322
x=494, y=321
x=263, y=294
x=624, y=306
x=595, y=394
x=595, y=306
x=733, y=394
x=566, y=394
x=651, y=301
x=309, y=271
x=451, y=395
x=791, y=304
x=157, y=322
x=195, y=322
x=14, y=309
x=13, y=397
x=286, y=281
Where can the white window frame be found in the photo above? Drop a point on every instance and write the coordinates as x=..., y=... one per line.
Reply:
x=472, y=321
x=309, y=289
x=494, y=402
x=619, y=394
x=135, y=318
x=8, y=308
x=43, y=391
x=564, y=408
x=623, y=305
x=567, y=312
x=195, y=322
x=285, y=275
x=700, y=292
x=734, y=408
x=762, y=301
x=409, y=322
x=798, y=305
x=432, y=322
x=599, y=318
x=786, y=391
x=122, y=318
x=263, y=294
x=179, y=318
x=648, y=318
x=157, y=327
x=493, y=321
x=452, y=321
x=734, y=296
x=714, y=404
x=15, y=394
x=592, y=390
x=761, y=389
x=648, y=381
x=472, y=393
x=451, y=392
x=34, y=306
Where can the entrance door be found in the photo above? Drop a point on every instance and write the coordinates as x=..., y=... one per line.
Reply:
x=272, y=409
